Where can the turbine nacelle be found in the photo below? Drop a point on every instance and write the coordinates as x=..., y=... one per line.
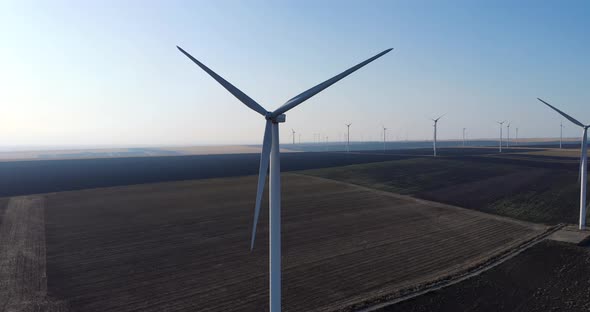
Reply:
x=275, y=119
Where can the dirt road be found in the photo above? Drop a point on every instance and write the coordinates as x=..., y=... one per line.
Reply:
x=23, y=280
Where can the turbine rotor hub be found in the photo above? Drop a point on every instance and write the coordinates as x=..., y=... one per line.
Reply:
x=277, y=119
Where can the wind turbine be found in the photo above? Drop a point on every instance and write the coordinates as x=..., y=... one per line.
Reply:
x=583, y=164
x=560, y=133
x=508, y=134
x=516, y=139
x=270, y=156
x=384, y=131
x=501, y=123
x=348, y=137
x=464, y=137
x=293, y=133
x=434, y=142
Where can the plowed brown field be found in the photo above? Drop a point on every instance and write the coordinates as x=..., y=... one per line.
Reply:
x=184, y=246
x=551, y=276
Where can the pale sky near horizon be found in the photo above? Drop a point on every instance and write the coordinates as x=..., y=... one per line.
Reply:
x=108, y=72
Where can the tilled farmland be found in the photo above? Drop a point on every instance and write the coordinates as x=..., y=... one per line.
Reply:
x=534, y=189
x=184, y=246
x=551, y=276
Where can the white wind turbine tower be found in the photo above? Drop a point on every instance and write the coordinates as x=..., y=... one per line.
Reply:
x=293, y=134
x=583, y=164
x=516, y=138
x=348, y=137
x=270, y=156
x=501, y=123
x=508, y=134
x=434, y=141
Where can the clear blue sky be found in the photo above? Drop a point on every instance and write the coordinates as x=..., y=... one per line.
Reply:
x=108, y=72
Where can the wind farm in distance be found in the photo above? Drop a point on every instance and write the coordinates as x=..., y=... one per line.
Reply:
x=295, y=156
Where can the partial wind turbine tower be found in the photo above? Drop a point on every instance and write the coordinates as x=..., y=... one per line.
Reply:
x=434, y=141
x=464, y=136
x=270, y=157
x=384, y=132
x=516, y=139
x=293, y=133
x=348, y=137
x=501, y=123
x=508, y=134
x=583, y=163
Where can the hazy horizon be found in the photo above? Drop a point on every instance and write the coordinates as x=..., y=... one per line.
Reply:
x=285, y=143
x=109, y=74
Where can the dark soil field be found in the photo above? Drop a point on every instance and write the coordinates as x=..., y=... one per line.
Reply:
x=3, y=204
x=44, y=176
x=533, y=188
x=184, y=246
x=550, y=276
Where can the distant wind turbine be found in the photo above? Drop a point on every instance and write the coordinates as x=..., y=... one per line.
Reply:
x=293, y=133
x=348, y=137
x=583, y=163
x=464, y=137
x=508, y=134
x=434, y=141
x=270, y=156
x=501, y=123
x=516, y=139
x=384, y=131
x=560, y=133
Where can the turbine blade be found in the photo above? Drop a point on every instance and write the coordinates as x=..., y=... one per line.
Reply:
x=262, y=172
x=228, y=86
x=563, y=114
x=317, y=89
x=441, y=116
